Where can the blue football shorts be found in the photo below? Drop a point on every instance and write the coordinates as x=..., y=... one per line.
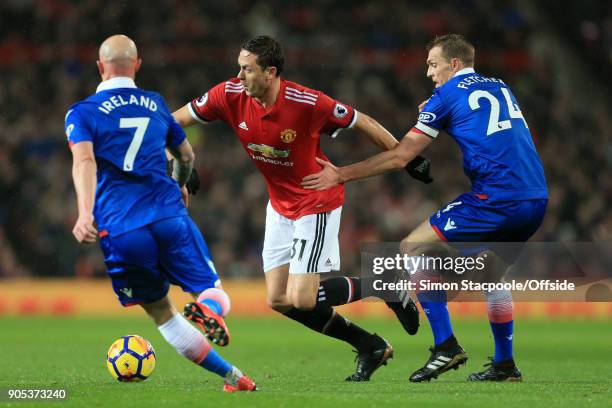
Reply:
x=142, y=263
x=472, y=218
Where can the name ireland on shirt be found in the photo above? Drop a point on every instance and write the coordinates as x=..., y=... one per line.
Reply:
x=117, y=101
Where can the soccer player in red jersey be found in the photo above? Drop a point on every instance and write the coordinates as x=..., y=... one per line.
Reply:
x=279, y=124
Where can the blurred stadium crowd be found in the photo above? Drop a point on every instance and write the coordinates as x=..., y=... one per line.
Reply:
x=367, y=54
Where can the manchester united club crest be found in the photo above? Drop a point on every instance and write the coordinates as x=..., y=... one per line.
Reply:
x=288, y=135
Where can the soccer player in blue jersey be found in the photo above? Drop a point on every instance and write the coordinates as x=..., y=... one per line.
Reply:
x=118, y=138
x=506, y=203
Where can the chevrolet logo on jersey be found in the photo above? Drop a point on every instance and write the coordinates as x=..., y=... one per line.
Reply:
x=288, y=135
x=268, y=151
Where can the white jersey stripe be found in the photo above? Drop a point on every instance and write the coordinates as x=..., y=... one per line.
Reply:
x=233, y=84
x=193, y=114
x=350, y=289
x=350, y=125
x=354, y=120
x=299, y=100
x=301, y=92
x=298, y=95
x=301, y=97
x=429, y=131
x=68, y=114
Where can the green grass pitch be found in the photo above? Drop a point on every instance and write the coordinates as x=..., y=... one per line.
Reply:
x=564, y=364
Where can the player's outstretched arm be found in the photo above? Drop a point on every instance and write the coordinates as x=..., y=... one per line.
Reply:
x=84, y=177
x=395, y=159
x=183, y=117
x=418, y=167
x=376, y=132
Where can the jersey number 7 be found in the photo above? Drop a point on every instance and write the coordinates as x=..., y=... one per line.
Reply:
x=495, y=125
x=141, y=127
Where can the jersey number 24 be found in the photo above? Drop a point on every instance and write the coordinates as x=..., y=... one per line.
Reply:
x=495, y=125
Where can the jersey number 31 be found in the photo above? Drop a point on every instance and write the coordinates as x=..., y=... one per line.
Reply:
x=495, y=125
x=141, y=127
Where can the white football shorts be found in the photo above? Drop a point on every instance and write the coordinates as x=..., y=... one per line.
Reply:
x=309, y=244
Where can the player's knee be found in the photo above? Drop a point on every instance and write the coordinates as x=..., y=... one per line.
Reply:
x=494, y=268
x=410, y=247
x=276, y=306
x=303, y=301
x=406, y=245
x=160, y=311
x=278, y=303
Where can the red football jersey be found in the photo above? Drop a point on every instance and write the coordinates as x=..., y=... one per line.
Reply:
x=283, y=141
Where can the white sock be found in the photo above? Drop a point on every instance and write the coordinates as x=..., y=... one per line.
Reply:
x=500, y=306
x=186, y=339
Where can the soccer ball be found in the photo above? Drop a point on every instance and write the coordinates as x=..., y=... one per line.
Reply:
x=130, y=358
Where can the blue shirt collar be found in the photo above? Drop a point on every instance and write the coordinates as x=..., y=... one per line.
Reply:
x=116, y=82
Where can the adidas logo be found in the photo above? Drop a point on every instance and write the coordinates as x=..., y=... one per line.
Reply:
x=438, y=362
x=328, y=262
x=243, y=125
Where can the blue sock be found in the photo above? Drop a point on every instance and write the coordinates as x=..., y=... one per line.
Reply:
x=502, y=334
x=434, y=305
x=213, y=305
x=215, y=363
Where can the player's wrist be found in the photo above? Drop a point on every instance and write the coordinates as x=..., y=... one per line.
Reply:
x=343, y=175
x=85, y=210
x=85, y=218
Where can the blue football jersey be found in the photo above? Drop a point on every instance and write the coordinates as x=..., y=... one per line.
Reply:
x=483, y=116
x=130, y=129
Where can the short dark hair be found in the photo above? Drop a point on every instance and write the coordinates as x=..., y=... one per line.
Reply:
x=269, y=52
x=454, y=46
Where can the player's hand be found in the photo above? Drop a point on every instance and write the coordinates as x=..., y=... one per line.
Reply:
x=185, y=195
x=84, y=230
x=193, y=184
x=419, y=169
x=328, y=177
x=422, y=105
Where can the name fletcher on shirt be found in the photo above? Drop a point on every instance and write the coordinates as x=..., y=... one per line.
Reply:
x=474, y=79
